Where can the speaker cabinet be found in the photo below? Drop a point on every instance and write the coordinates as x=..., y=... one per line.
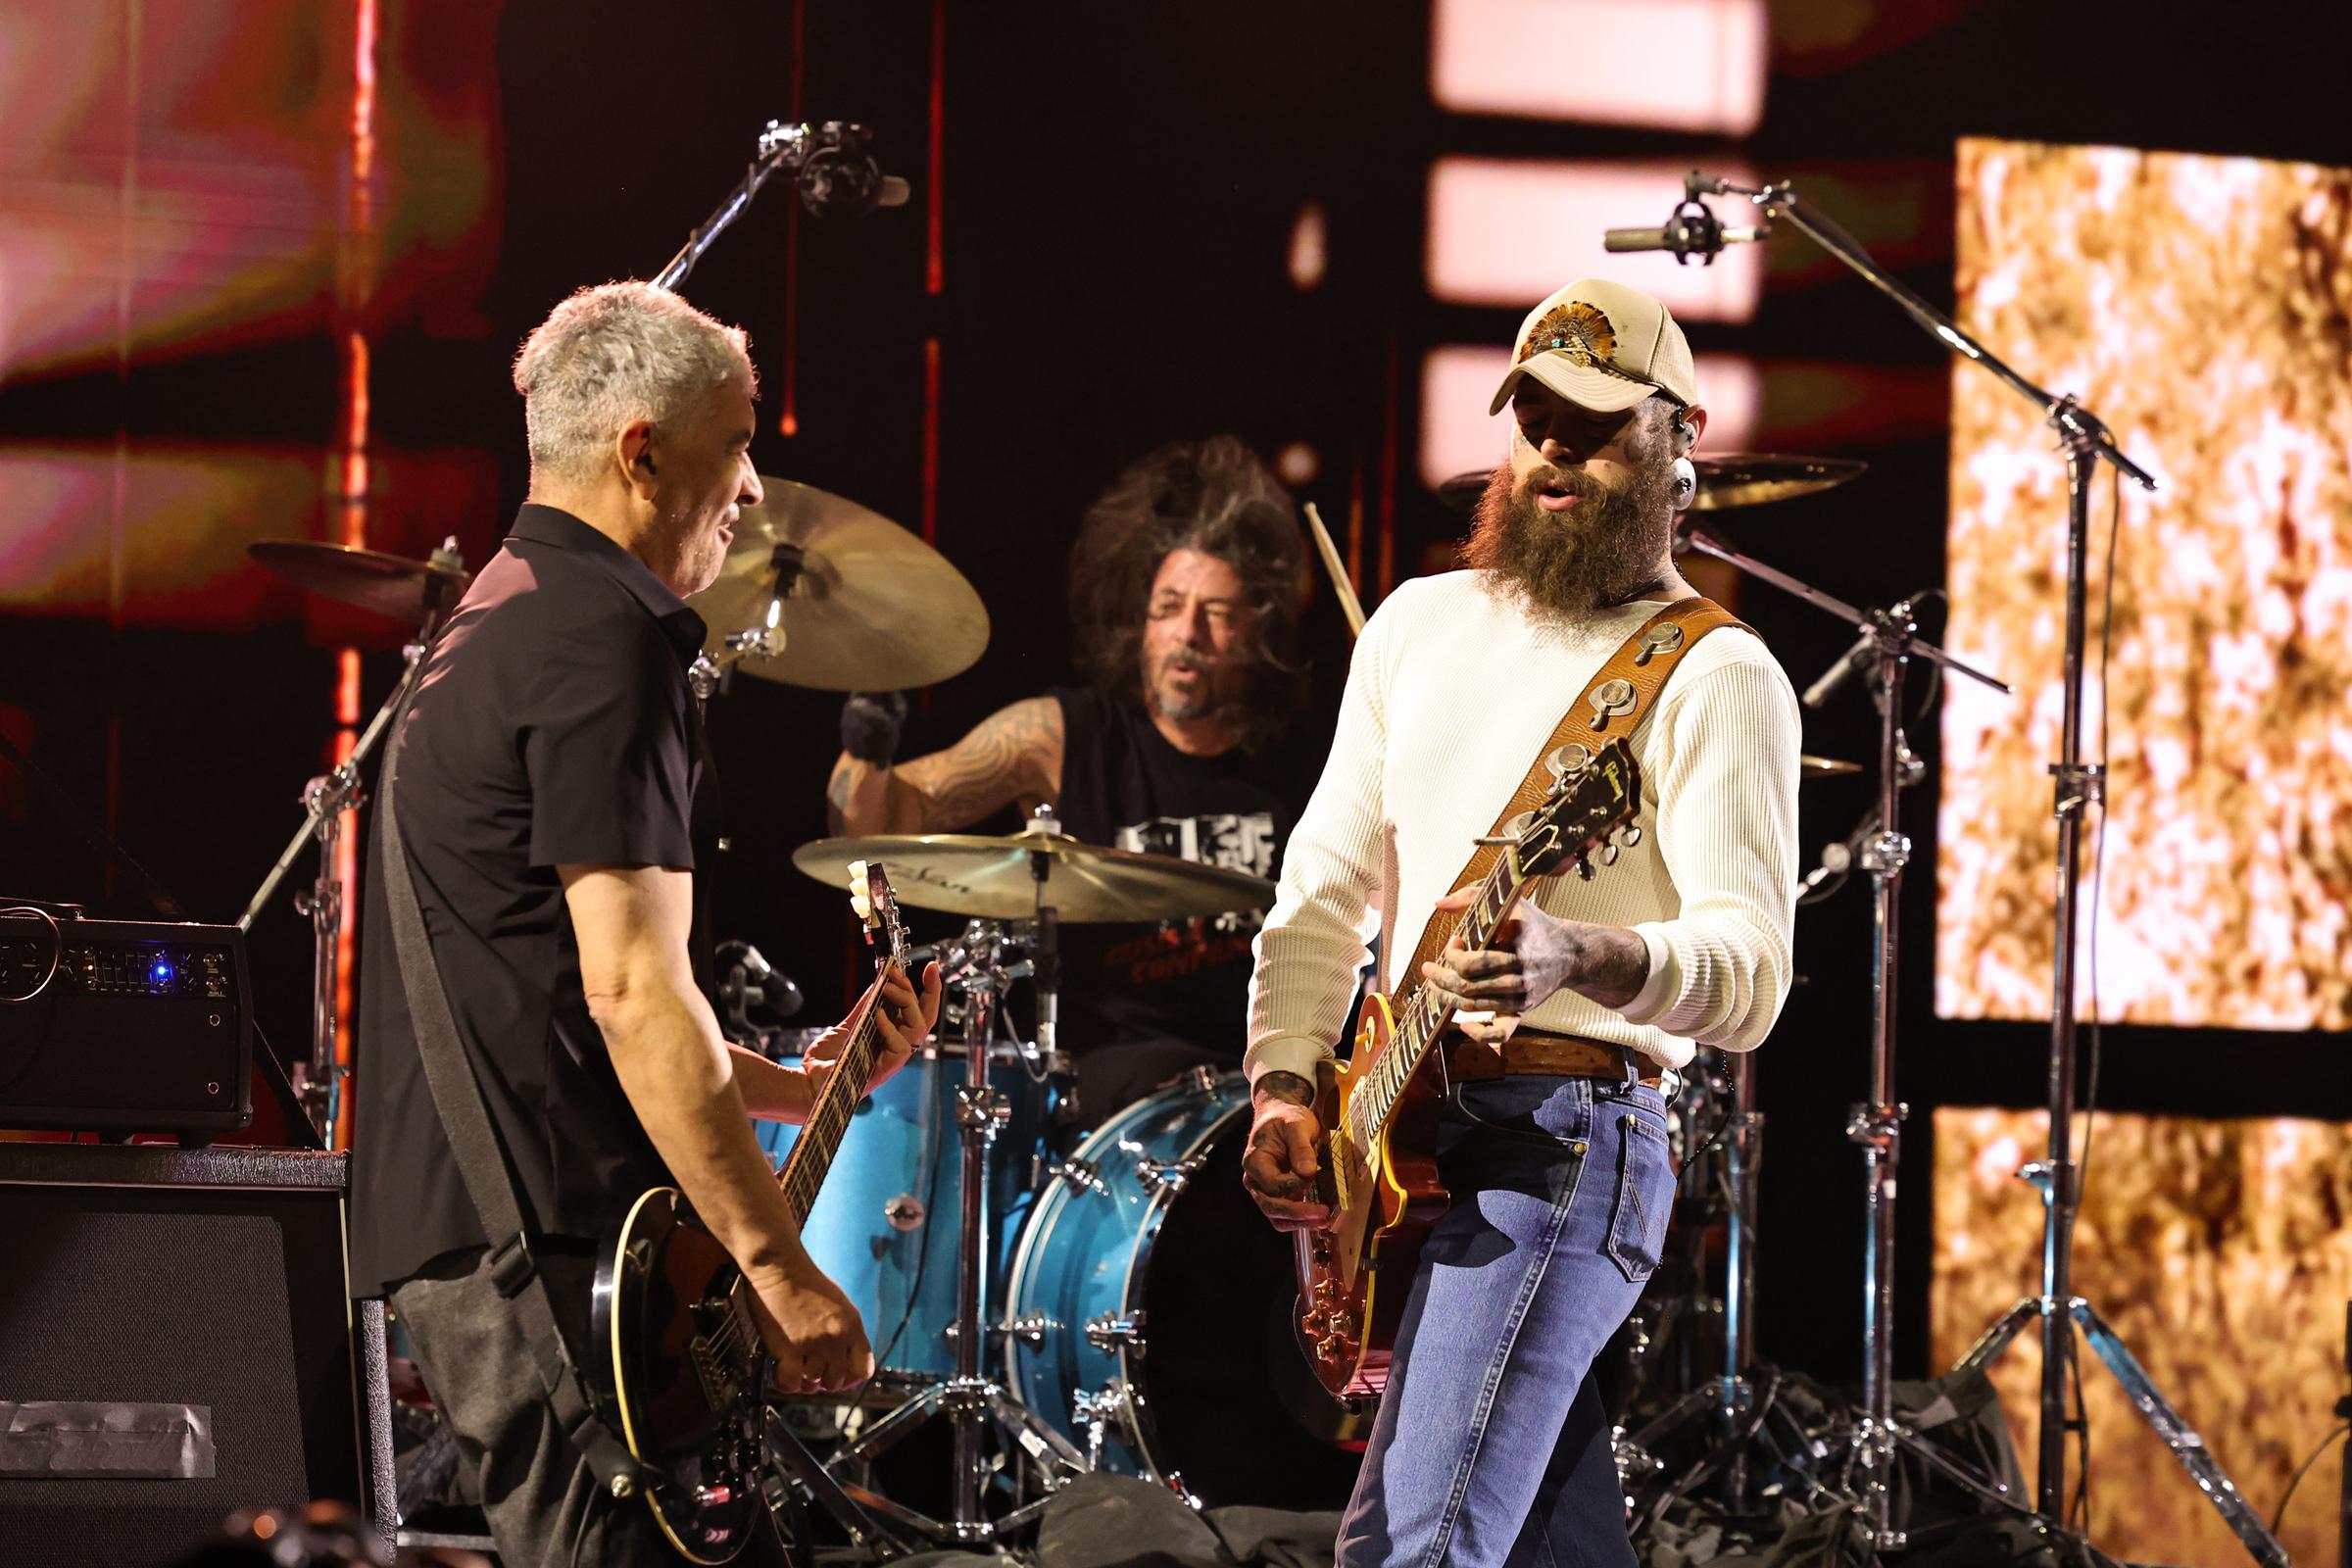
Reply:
x=154, y=1281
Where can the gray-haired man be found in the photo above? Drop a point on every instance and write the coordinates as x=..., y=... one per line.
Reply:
x=553, y=796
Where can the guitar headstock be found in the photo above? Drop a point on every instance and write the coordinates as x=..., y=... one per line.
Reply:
x=1588, y=816
x=875, y=905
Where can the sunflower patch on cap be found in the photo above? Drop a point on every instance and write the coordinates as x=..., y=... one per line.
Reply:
x=1602, y=346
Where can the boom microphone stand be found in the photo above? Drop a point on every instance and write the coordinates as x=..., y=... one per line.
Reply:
x=2086, y=441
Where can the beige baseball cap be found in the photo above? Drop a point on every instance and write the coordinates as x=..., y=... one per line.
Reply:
x=1603, y=347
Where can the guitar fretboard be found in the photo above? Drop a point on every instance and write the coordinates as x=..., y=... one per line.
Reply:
x=821, y=1137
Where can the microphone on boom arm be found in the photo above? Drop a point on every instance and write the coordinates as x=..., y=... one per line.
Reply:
x=842, y=179
x=1691, y=229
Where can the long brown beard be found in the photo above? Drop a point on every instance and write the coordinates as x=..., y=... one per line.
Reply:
x=1604, y=551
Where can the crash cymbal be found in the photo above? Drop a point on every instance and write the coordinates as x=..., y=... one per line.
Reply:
x=972, y=874
x=388, y=585
x=1811, y=767
x=865, y=606
x=1752, y=478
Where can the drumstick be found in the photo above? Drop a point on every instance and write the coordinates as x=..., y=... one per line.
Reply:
x=1348, y=606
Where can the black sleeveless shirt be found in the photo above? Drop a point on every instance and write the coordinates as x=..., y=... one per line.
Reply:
x=1124, y=786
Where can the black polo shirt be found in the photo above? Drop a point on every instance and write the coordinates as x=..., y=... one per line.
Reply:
x=553, y=726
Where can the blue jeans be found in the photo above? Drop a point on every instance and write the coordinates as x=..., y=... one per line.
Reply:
x=1491, y=1446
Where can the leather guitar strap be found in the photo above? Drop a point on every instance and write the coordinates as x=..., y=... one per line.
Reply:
x=1617, y=698
x=482, y=1159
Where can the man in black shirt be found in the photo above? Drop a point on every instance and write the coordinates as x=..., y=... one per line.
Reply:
x=1184, y=589
x=554, y=800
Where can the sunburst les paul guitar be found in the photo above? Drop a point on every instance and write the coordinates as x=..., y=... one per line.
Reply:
x=1379, y=1168
x=685, y=1366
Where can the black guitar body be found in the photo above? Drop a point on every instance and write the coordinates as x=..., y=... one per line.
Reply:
x=683, y=1367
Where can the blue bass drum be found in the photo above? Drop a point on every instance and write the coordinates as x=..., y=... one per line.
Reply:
x=1147, y=1242
x=884, y=1223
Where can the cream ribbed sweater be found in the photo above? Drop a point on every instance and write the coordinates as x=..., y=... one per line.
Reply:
x=1452, y=689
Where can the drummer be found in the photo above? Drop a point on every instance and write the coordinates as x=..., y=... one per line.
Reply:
x=1184, y=594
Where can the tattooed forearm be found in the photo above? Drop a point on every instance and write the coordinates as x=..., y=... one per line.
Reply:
x=1014, y=755
x=1288, y=1086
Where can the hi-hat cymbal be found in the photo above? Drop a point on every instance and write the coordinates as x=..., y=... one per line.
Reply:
x=1811, y=767
x=993, y=879
x=388, y=585
x=1752, y=478
x=857, y=602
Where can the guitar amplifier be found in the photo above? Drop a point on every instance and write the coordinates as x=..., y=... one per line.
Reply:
x=123, y=1026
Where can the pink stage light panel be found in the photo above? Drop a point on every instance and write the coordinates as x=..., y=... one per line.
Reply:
x=2187, y=300
x=1458, y=382
x=1685, y=65
x=1508, y=232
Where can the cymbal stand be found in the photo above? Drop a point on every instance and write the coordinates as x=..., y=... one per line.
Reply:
x=1889, y=640
x=318, y=1082
x=972, y=1399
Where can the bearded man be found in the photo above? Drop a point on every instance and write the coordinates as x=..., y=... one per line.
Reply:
x=1184, y=592
x=1490, y=1444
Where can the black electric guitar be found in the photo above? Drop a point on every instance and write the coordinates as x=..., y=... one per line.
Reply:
x=687, y=1370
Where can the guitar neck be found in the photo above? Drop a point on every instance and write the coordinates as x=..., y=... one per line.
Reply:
x=1424, y=1015
x=812, y=1153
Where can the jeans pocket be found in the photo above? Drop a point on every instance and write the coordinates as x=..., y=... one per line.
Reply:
x=1644, y=1197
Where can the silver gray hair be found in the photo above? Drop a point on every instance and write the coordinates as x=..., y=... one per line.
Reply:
x=613, y=354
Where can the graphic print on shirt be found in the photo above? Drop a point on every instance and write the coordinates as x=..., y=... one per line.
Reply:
x=1234, y=841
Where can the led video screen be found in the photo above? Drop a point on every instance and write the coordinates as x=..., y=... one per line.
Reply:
x=2219, y=1253
x=2203, y=306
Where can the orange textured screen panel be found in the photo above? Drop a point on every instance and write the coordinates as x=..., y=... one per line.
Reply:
x=2221, y=1254
x=2203, y=306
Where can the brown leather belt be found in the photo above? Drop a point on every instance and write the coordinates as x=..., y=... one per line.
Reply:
x=1546, y=1055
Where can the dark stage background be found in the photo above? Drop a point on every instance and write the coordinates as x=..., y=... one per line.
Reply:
x=1118, y=189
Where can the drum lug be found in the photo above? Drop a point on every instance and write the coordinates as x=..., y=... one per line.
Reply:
x=1030, y=1328
x=1111, y=1330
x=1170, y=1176
x=1082, y=1175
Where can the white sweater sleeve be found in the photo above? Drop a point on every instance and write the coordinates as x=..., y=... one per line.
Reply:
x=1313, y=942
x=1722, y=762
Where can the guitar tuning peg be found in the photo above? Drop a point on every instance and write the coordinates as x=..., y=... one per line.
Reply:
x=1583, y=869
x=1630, y=835
x=1608, y=855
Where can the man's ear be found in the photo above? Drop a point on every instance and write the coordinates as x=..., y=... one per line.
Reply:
x=633, y=451
x=1688, y=425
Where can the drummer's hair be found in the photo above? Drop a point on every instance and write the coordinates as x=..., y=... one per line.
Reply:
x=1216, y=496
x=611, y=354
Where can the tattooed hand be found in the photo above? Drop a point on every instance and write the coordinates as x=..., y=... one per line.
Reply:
x=1279, y=1164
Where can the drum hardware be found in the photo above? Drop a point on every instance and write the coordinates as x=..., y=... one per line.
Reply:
x=971, y=1399
x=817, y=591
x=424, y=593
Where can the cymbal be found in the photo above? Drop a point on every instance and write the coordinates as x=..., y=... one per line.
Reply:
x=388, y=585
x=1733, y=479
x=865, y=604
x=1752, y=478
x=1811, y=767
x=974, y=874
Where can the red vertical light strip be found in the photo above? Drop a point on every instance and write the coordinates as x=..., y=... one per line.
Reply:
x=359, y=284
x=788, y=413
x=1388, y=474
x=934, y=205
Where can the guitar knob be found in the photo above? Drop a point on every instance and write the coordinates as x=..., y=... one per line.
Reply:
x=1327, y=1290
x=1330, y=1348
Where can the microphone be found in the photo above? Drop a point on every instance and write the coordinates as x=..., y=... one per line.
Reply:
x=747, y=981
x=1692, y=230
x=1833, y=679
x=843, y=180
